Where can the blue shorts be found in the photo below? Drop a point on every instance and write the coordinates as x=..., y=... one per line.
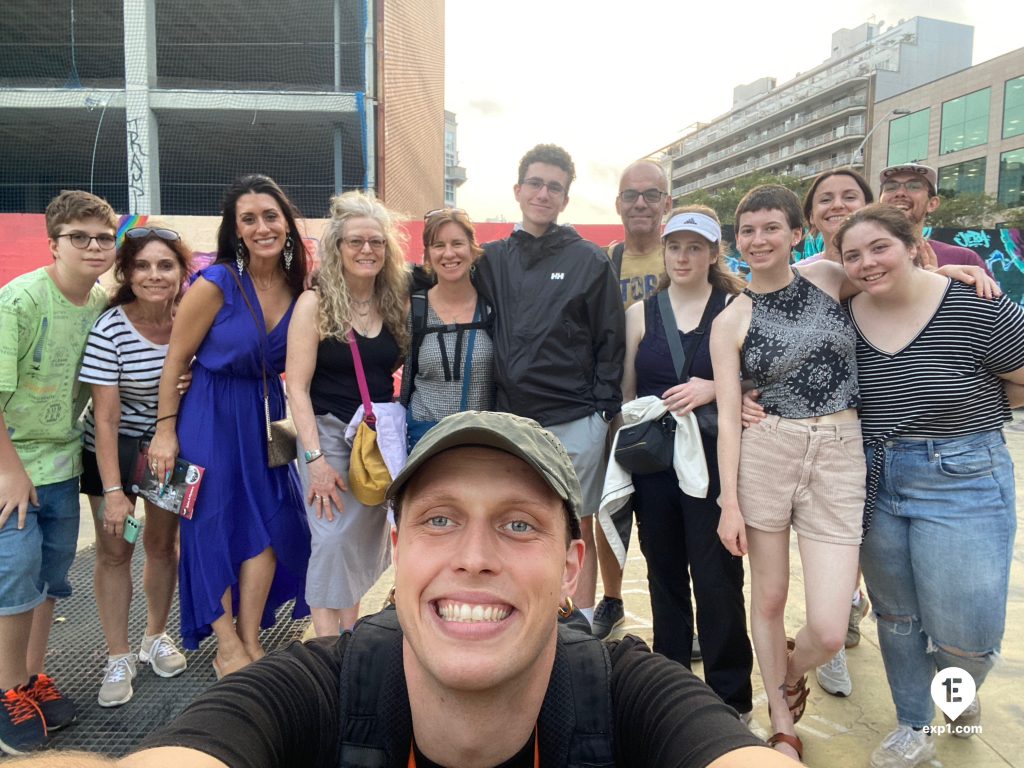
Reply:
x=34, y=562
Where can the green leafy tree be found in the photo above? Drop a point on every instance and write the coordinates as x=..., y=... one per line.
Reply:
x=725, y=199
x=966, y=210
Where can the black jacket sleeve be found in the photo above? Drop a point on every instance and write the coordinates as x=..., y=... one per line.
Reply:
x=608, y=328
x=282, y=710
x=665, y=715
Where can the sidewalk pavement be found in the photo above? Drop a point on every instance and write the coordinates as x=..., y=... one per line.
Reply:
x=842, y=732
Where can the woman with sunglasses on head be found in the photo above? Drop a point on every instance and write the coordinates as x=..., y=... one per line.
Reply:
x=449, y=367
x=245, y=550
x=124, y=357
x=933, y=361
x=360, y=299
x=678, y=532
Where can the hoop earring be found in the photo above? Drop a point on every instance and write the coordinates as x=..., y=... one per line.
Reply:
x=240, y=257
x=566, y=611
x=288, y=252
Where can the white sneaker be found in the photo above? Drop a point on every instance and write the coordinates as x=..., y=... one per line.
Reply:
x=116, y=688
x=904, y=748
x=834, y=677
x=162, y=655
x=969, y=717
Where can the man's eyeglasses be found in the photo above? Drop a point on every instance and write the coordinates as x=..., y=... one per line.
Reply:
x=81, y=240
x=914, y=185
x=357, y=243
x=535, y=184
x=140, y=233
x=440, y=211
x=652, y=195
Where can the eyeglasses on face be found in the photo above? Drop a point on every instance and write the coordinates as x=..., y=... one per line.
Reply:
x=536, y=185
x=140, y=233
x=913, y=185
x=357, y=243
x=652, y=195
x=442, y=211
x=81, y=240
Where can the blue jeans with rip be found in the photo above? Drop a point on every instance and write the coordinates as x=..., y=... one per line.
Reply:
x=937, y=562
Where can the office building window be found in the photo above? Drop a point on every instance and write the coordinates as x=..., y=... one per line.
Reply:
x=1011, y=178
x=908, y=137
x=1013, y=108
x=962, y=178
x=965, y=121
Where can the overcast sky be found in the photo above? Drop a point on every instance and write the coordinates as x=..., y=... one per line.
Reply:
x=612, y=81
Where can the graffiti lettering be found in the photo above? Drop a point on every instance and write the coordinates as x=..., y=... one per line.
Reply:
x=972, y=238
x=136, y=166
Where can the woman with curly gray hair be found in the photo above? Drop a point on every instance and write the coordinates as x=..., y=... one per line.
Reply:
x=360, y=296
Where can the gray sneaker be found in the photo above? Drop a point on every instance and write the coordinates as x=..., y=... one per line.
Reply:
x=834, y=677
x=163, y=656
x=116, y=688
x=857, y=613
x=969, y=717
x=904, y=748
x=608, y=614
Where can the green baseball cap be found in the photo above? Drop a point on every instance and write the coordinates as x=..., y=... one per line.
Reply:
x=523, y=438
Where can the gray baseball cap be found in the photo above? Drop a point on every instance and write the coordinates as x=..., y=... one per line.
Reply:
x=523, y=438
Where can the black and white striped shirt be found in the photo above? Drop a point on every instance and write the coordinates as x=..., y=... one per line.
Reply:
x=116, y=354
x=944, y=382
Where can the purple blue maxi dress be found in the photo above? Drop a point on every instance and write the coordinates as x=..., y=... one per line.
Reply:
x=243, y=506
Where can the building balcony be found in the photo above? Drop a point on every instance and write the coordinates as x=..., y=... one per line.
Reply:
x=456, y=174
x=804, y=123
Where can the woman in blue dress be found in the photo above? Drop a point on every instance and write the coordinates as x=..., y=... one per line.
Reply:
x=245, y=551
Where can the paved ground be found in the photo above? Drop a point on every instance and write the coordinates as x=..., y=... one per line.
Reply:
x=842, y=732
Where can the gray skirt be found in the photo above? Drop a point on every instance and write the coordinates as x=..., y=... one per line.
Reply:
x=349, y=554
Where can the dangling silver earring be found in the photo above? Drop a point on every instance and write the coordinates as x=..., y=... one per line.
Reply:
x=288, y=252
x=240, y=257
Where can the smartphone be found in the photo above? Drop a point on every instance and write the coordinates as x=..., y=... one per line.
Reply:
x=131, y=529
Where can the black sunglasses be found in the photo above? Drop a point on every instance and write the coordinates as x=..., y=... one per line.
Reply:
x=139, y=233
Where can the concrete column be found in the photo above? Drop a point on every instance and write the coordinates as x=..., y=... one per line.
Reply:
x=140, y=123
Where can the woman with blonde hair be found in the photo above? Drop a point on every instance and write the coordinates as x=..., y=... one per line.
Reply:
x=360, y=299
x=678, y=532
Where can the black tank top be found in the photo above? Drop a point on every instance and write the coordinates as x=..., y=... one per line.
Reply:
x=801, y=352
x=334, y=388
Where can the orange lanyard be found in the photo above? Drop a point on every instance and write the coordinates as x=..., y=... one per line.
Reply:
x=536, y=752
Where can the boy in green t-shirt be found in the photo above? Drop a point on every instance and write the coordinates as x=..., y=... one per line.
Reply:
x=45, y=317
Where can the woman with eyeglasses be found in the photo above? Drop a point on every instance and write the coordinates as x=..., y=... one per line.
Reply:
x=359, y=299
x=124, y=357
x=245, y=550
x=449, y=367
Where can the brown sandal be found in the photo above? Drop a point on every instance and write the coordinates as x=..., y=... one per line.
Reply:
x=798, y=689
x=790, y=741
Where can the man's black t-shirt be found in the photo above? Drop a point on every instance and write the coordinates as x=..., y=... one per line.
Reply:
x=284, y=711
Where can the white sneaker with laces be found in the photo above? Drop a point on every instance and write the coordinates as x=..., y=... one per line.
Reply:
x=834, y=677
x=162, y=655
x=969, y=717
x=116, y=688
x=904, y=748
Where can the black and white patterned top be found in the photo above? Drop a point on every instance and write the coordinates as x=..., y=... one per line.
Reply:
x=116, y=354
x=800, y=352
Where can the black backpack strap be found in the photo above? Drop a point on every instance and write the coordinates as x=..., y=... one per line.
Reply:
x=576, y=719
x=616, y=257
x=680, y=359
x=375, y=723
x=418, y=312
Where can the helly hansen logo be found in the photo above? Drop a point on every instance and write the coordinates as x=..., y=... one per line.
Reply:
x=558, y=275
